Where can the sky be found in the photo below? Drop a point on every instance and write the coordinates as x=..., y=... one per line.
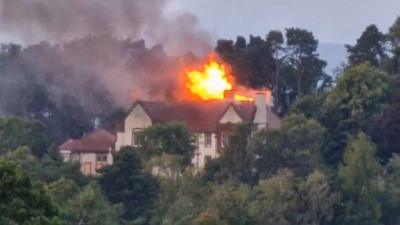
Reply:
x=331, y=21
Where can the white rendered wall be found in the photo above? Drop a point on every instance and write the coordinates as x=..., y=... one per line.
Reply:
x=137, y=119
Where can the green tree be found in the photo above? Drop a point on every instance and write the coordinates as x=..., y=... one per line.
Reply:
x=15, y=132
x=125, y=182
x=317, y=200
x=309, y=106
x=21, y=201
x=276, y=200
x=252, y=63
x=46, y=169
x=90, y=207
x=360, y=182
x=236, y=160
x=296, y=145
x=355, y=104
x=303, y=59
x=370, y=47
x=394, y=39
x=390, y=202
x=171, y=138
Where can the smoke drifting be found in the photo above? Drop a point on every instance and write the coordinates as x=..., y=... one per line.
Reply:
x=61, y=21
x=83, y=59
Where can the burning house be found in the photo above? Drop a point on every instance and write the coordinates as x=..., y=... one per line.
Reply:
x=211, y=108
x=212, y=122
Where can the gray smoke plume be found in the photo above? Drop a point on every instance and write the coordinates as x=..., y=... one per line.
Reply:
x=64, y=20
x=95, y=41
x=86, y=59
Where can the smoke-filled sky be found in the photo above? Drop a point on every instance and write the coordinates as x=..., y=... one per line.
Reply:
x=332, y=21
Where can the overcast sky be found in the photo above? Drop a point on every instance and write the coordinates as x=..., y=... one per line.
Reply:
x=332, y=21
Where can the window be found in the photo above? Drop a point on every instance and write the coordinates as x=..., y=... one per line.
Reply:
x=224, y=139
x=136, y=137
x=207, y=140
x=75, y=157
x=101, y=160
x=87, y=168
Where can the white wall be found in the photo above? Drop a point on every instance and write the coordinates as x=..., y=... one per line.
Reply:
x=137, y=119
x=230, y=116
x=198, y=160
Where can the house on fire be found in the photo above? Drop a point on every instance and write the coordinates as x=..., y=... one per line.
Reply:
x=211, y=122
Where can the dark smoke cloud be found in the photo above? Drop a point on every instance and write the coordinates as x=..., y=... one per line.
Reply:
x=83, y=59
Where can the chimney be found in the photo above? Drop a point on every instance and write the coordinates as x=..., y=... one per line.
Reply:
x=260, y=101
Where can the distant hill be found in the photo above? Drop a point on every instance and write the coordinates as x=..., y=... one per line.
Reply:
x=333, y=53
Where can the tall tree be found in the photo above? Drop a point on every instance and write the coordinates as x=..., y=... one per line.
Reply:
x=15, y=132
x=355, y=104
x=21, y=201
x=394, y=39
x=304, y=61
x=125, y=182
x=360, y=183
x=295, y=146
x=370, y=47
x=252, y=63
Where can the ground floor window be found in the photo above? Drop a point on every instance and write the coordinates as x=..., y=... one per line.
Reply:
x=101, y=160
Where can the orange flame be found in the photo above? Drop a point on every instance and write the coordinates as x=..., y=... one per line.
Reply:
x=242, y=98
x=210, y=83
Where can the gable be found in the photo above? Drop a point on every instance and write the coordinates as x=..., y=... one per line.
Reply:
x=230, y=116
x=137, y=118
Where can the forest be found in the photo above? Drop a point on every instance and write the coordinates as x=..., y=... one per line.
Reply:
x=335, y=161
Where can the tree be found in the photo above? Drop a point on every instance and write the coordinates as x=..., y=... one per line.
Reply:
x=303, y=60
x=15, y=132
x=125, y=182
x=360, y=183
x=275, y=41
x=171, y=138
x=230, y=202
x=236, y=160
x=355, y=104
x=317, y=200
x=21, y=201
x=90, y=207
x=389, y=128
x=252, y=63
x=45, y=169
x=276, y=201
x=370, y=47
x=296, y=146
x=394, y=39
x=309, y=106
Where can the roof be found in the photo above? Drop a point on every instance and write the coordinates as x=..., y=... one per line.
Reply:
x=98, y=141
x=202, y=116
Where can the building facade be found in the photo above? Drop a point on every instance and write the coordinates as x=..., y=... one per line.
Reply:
x=211, y=121
x=92, y=151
